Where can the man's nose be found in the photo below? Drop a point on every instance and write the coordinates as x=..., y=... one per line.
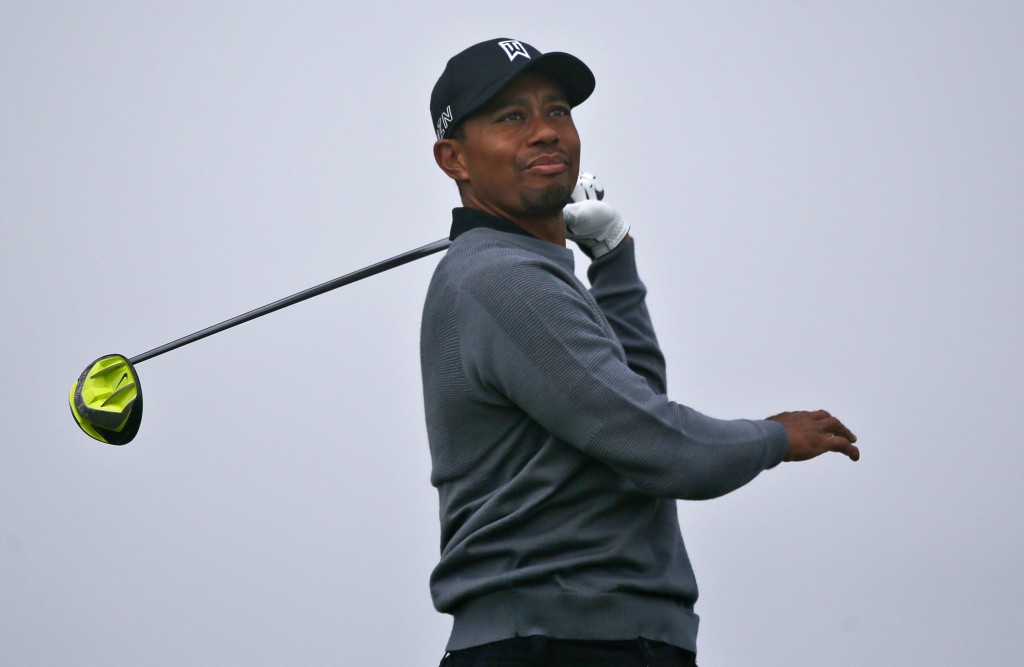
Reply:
x=542, y=131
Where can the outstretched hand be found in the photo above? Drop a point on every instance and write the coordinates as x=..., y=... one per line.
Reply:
x=812, y=434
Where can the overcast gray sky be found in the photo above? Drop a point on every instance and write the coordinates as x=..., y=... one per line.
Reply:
x=827, y=204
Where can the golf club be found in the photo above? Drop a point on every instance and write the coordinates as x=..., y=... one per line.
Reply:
x=106, y=400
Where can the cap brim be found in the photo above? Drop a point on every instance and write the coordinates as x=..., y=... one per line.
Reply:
x=571, y=74
x=575, y=78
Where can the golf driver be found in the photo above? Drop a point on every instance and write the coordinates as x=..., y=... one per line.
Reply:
x=106, y=400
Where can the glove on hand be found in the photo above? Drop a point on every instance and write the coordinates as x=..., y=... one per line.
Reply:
x=596, y=227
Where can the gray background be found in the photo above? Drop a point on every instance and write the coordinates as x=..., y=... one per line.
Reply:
x=827, y=204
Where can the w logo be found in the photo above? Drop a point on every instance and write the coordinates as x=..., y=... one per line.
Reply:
x=513, y=48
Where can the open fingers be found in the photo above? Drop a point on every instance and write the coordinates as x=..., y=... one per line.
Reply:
x=838, y=437
x=831, y=425
x=811, y=434
x=842, y=445
x=840, y=430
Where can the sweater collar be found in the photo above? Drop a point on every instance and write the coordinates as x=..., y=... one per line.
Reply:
x=468, y=219
x=465, y=219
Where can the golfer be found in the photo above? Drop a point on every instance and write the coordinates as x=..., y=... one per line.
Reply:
x=557, y=454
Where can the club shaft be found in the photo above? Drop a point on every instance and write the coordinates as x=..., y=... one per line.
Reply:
x=341, y=281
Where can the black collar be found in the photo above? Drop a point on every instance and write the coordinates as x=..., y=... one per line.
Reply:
x=465, y=219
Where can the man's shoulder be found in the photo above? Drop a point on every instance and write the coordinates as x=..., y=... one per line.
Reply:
x=482, y=259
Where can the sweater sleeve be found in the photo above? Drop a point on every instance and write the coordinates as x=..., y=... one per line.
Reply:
x=532, y=339
x=616, y=286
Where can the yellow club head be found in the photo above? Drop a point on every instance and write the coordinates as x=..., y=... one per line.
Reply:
x=106, y=400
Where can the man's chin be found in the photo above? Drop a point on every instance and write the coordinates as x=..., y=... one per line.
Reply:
x=545, y=201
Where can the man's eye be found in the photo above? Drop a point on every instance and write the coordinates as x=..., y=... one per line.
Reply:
x=514, y=115
x=560, y=111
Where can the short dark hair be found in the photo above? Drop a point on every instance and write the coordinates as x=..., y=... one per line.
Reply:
x=458, y=132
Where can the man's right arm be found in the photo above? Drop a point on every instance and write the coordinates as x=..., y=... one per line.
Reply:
x=542, y=346
x=621, y=297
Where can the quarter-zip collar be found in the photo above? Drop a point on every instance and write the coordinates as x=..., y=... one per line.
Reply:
x=465, y=219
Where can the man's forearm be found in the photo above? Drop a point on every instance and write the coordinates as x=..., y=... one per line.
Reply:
x=618, y=290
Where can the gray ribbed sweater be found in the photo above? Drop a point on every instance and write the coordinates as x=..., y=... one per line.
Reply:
x=556, y=454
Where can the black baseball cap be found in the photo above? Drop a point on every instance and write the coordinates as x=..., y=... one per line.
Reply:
x=475, y=75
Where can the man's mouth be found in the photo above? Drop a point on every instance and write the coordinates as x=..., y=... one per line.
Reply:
x=548, y=164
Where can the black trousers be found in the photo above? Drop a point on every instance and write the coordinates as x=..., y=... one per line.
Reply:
x=546, y=652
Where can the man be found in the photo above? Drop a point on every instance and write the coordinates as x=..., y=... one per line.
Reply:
x=557, y=455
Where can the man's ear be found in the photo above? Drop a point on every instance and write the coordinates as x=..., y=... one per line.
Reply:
x=450, y=158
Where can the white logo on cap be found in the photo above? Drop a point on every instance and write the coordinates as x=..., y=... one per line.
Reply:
x=443, y=121
x=513, y=48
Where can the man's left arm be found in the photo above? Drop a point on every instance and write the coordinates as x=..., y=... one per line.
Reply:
x=600, y=232
x=618, y=290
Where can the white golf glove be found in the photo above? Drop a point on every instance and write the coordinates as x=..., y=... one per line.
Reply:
x=596, y=227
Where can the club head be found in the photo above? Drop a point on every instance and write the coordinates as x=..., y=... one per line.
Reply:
x=106, y=400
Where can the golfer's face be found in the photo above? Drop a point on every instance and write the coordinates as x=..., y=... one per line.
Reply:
x=521, y=151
